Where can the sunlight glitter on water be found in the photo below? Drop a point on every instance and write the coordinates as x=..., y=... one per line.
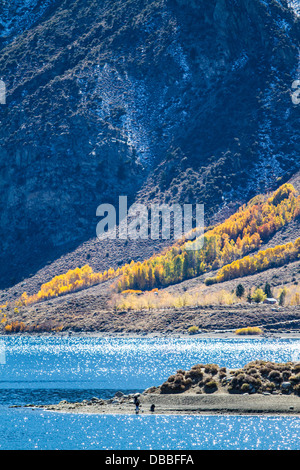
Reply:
x=130, y=362
x=45, y=430
x=48, y=369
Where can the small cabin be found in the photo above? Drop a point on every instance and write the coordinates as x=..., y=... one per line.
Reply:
x=270, y=301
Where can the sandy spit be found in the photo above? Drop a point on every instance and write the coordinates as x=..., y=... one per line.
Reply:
x=184, y=404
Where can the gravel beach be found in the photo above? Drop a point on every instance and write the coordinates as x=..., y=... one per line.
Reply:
x=185, y=404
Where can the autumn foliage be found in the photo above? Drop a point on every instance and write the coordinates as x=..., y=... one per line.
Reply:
x=71, y=281
x=249, y=330
x=240, y=234
x=264, y=259
x=225, y=246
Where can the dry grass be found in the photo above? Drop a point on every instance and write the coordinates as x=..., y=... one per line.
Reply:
x=137, y=300
x=155, y=300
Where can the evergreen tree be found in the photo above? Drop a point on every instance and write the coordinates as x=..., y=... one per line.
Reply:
x=268, y=291
x=240, y=291
x=282, y=295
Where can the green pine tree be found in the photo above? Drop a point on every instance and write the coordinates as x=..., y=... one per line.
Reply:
x=240, y=291
x=268, y=291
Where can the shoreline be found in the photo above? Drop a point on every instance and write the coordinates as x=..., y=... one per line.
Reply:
x=217, y=334
x=260, y=387
x=83, y=314
x=185, y=404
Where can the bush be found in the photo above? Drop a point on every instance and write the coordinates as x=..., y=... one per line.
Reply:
x=195, y=374
x=8, y=328
x=193, y=330
x=253, y=373
x=265, y=370
x=286, y=374
x=198, y=367
x=15, y=327
x=275, y=376
x=132, y=291
x=245, y=387
x=211, y=369
x=178, y=378
x=295, y=379
x=188, y=382
x=259, y=295
x=269, y=386
x=210, y=281
x=211, y=386
x=249, y=330
x=256, y=376
x=297, y=389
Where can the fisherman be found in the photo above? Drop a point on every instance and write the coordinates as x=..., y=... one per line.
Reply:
x=137, y=403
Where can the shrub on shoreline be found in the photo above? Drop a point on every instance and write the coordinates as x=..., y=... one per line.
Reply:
x=255, y=377
x=21, y=327
x=193, y=330
x=249, y=330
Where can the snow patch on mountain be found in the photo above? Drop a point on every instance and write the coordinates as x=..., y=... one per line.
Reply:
x=121, y=101
x=140, y=114
x=292, y=4
x=16, y=16
x=146, y=116
x=295, y=5
x=176, y=51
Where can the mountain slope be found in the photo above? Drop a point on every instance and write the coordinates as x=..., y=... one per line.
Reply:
x=229, y=242
x=159, y=100
x=71, y=301
x=226, y=246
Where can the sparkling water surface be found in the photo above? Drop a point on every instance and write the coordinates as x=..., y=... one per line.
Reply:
x=48, y=369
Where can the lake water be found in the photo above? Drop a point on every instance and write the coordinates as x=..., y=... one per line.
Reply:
x=41, y=369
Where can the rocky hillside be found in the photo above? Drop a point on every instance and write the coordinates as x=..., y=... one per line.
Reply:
x=163, y=100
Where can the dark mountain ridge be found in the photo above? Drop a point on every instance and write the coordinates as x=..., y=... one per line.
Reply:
x=158, y=100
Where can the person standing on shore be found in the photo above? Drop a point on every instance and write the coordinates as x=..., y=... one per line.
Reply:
x=137, y=403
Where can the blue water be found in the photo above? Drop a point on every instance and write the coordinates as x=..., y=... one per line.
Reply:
x=42, y=369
